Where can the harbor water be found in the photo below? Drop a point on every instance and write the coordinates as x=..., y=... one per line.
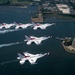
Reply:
x=59, y=62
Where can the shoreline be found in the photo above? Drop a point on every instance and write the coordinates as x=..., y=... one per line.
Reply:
x=16, y=3
x=69, y=49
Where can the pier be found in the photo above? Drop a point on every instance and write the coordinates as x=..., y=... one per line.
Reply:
x=39, y=17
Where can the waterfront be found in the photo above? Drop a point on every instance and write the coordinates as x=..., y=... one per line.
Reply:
x=58, y=63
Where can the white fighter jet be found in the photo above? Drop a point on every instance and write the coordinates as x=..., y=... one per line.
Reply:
x=36, y=40
x=5, y=25
x=20, y=25
x=30, y=57
x=41, y=26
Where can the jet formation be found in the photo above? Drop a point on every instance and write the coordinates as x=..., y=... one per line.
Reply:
x=32, y=58
x=36, y=40
x=16, y=25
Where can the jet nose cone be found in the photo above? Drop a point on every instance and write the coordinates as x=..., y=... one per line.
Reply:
x=53, y=23
x=48, y=53
x=51, y=36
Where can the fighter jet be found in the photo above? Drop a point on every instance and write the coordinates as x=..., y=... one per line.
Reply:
x=23, y=26
x=5, y=25
x=32, y=58
x=36, y=40
x=41, y=26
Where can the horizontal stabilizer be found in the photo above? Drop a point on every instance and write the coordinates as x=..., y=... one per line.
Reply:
x=20, y=55
x=27, y=38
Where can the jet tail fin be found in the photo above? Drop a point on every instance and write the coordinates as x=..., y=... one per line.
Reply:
x=20, y=56
x=1, y=23
x=15, y=23
x=27, y=38
x=33, y=24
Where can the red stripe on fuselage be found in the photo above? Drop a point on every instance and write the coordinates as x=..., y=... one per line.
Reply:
x=20, y=24
x=31, y=38
x=38, y=24
x=27, y=56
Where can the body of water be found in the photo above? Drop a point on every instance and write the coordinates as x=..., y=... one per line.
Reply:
x=59, y=62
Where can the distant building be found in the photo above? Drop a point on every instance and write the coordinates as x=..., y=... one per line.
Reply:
x=46, y=4
x=63, y=8
x=36, y=0
x=62, y=1
x=73, y=1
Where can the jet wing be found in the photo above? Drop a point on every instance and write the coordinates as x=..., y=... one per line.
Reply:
x=35, y=27
x=29, y=42
x=43, y=27
x=38, y=41
x=32, y=60
x=22, y=61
